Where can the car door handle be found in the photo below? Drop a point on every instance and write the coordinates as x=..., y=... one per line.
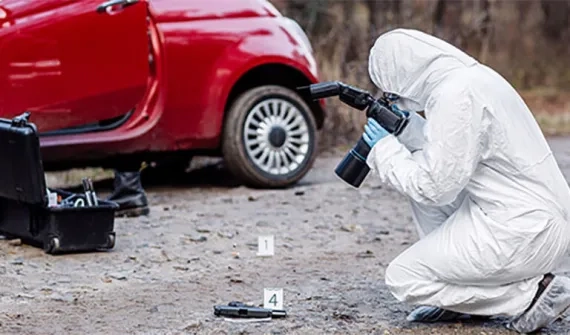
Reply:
x=105, y=6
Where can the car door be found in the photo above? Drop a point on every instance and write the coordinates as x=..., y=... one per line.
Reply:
x=72, y=62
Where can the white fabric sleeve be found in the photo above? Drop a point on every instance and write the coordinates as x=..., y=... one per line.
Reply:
x=412, y=137
x=450, y=155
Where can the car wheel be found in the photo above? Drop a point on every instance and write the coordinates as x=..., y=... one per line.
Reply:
x=269, y=138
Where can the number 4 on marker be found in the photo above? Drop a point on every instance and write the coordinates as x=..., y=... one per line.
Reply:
x=273, y=300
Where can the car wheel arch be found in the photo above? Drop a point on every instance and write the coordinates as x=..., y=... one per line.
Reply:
x=273, y=73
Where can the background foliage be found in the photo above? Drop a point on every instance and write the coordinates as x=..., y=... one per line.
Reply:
x=526, y=41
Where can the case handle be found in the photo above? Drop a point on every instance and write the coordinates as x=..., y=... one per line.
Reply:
x=21, y=120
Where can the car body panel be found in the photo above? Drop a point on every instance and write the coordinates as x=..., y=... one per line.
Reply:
x=68, y=64
x=225, y=53
x=180, y=11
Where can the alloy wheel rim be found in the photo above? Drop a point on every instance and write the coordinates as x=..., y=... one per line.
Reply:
x=276, y=136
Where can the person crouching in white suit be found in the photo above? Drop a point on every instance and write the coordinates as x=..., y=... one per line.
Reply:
x=488, y=198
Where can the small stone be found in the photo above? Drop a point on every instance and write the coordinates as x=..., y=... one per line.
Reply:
x=226, y=235
x=165, y=209
x=350, y=228
x=25, y=296
x=153, y=309
x=203, y=230
x=235, y=254
x=384, y=232
x=299, y=193
x=251, y=198
x=181, y=268
x=117, y=276
x=196, y=238
x=63, y=297
x=17, y=261
x=193, y=325
x=365, y=254
x=165, y=255
x=15, y=242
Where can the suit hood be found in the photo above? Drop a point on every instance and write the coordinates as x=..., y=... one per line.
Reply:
x=411, y=64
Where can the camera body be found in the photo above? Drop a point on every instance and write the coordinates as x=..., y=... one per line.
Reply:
x=353, y=168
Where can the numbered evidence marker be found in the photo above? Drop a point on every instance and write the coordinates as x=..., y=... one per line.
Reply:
x=265, y=246
x=273, y=298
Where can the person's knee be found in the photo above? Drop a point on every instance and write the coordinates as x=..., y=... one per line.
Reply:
x=398, y=279
x=406, y=281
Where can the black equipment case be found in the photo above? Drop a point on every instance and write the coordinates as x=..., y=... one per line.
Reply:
x=24, y=211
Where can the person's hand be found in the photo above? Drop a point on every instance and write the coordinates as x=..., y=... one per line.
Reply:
x=397, y=110
x=373, y=132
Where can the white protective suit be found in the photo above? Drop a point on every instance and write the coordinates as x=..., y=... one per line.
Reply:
x=488, y=198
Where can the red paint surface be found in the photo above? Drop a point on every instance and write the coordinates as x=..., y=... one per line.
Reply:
x=69, y=66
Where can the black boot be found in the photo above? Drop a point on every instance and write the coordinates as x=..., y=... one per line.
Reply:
x=129, y=194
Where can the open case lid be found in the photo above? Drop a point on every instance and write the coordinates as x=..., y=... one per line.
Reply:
x=21, y=170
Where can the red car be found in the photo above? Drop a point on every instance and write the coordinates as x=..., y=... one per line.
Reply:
x=162, y=80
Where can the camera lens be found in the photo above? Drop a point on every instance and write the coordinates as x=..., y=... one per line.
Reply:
x=353, y=168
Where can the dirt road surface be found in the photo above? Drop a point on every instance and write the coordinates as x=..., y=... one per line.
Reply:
x=198, y=248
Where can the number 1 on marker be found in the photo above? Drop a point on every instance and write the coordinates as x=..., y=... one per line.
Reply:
x=265, y=245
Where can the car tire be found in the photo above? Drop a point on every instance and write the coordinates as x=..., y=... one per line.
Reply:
x=270, y=137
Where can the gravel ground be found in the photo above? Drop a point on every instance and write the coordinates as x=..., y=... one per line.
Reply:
x=198, y=248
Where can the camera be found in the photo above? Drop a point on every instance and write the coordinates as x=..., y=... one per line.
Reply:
x=353, y=168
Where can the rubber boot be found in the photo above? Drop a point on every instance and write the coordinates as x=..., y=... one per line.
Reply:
x=552, y=302
x=430, y=314
x=129, y=194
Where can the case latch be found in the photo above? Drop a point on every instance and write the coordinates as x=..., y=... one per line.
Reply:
x=21, y=120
